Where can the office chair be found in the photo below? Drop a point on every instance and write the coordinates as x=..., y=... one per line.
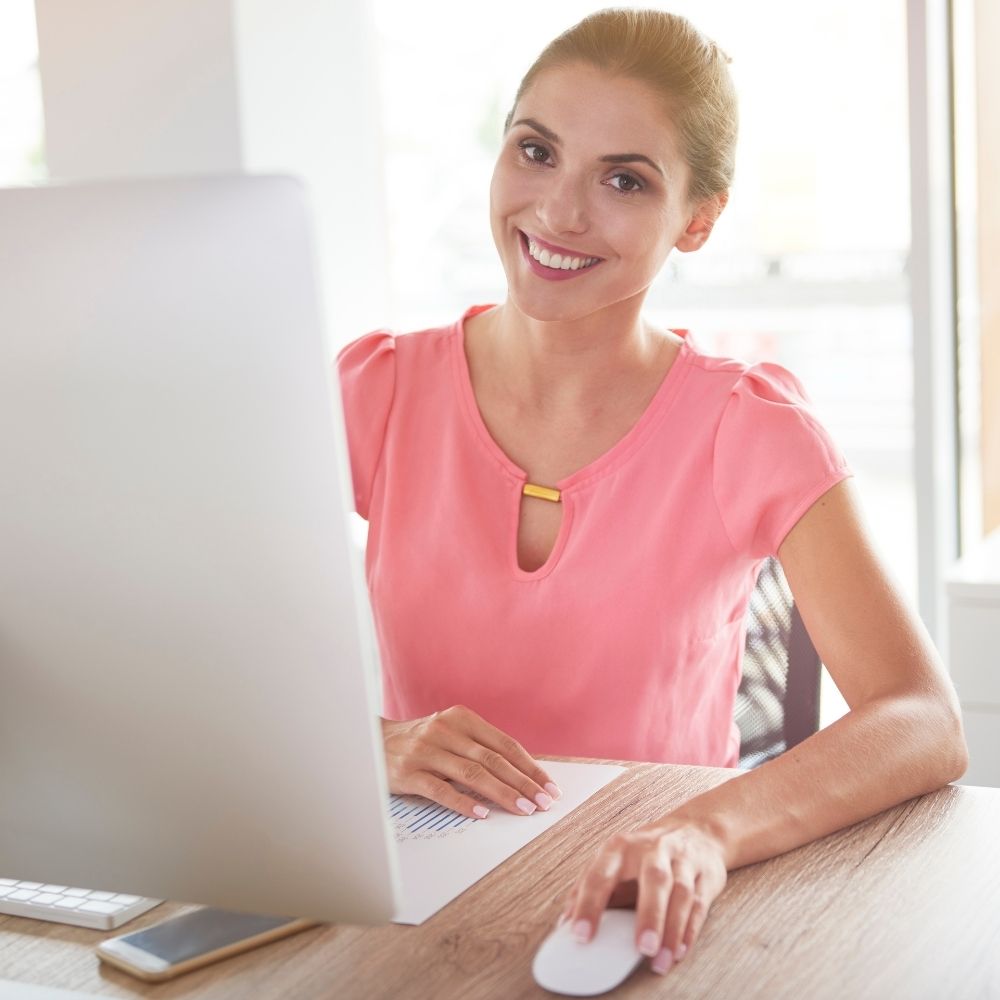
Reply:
x=777, y=704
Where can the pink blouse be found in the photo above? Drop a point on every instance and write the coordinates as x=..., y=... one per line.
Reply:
x=627, y=643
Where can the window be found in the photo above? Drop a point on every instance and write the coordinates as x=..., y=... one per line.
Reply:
x=22, y=158
x=977, y=152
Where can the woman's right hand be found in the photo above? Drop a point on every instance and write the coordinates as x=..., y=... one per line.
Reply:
x=423, y=756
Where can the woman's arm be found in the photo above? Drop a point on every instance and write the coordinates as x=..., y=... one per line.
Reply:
x=903, y=735
x=902, y=738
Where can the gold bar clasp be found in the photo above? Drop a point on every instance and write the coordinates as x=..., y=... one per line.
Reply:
x=542, y=492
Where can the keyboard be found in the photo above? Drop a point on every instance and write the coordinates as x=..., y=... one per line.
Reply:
x=65, y=905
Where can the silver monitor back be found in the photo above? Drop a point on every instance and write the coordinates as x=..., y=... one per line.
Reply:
x=187, y=675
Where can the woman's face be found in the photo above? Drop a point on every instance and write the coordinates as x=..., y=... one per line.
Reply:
x=590, y=178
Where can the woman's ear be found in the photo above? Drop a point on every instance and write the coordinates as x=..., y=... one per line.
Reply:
x=699, y=227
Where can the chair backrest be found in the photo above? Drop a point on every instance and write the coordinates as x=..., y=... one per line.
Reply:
x=777, y=705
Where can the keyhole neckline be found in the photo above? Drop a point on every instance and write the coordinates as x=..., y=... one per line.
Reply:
x=601, y=466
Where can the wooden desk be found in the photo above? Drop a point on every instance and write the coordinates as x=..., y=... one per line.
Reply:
x=905, y=905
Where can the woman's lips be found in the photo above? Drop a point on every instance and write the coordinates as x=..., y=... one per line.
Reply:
x=552, y=273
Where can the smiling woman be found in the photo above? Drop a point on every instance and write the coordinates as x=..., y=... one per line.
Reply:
x=568, y=507
x=593, y=167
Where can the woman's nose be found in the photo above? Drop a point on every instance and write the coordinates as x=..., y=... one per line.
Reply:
x=562, y=208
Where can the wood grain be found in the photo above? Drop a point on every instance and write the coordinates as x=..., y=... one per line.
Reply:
x=906, y=904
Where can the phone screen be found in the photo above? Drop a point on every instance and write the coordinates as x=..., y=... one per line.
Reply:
x=200, y=932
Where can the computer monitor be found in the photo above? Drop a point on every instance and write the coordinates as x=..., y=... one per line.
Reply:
x=187, y=671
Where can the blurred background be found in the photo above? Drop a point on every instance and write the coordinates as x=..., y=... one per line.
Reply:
x=809, y=266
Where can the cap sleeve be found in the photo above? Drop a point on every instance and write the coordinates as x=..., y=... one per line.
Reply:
x=773, y=459
x=367, y=369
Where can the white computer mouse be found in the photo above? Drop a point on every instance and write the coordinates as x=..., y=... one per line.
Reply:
x=563, y=965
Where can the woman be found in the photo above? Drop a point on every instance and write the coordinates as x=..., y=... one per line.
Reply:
x=568, y=508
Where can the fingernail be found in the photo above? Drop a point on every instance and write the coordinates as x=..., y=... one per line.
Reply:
x=682, y=950
x=553, y=789
x=481, y=811
x=543, y=800
x=649, y=943
x=662, y=962
x=525, y=806
x=581, y=931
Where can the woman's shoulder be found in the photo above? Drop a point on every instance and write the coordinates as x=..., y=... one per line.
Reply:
x=370, y=347
x=387, y=347
x=729, y=376
x=728, y=380
x=772, y=456
x=384, y=344
x=375, y=371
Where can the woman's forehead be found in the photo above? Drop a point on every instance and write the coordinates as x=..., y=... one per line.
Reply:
x=579, y=102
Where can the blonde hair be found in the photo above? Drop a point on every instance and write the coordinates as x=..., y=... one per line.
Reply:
x=666, y=52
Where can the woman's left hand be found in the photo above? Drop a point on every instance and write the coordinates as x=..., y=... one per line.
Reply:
x=671, y=871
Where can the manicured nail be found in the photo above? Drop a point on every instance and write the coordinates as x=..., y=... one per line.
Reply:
x=649, y=943
x=662, y=962
x=525, y=806
x=481, y=811
x=581, y=931
x=553, y=789
x=682, y=950
x=543, y=800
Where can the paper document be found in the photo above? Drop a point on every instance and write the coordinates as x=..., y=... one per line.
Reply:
x=442, y=853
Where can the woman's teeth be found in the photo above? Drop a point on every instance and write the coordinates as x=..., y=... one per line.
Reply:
x=557, y=261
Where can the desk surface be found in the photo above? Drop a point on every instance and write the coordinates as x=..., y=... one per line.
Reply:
x=904, y=905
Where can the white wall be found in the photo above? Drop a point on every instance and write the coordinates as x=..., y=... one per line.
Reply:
x=167, y=87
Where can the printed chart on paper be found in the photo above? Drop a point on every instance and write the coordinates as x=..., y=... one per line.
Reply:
x=442, y=853
x=416, y=818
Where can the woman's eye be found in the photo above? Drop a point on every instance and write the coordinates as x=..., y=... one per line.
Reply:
x=626, y=183
x=534, y=152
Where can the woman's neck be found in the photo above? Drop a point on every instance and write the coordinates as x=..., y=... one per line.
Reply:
x=562, y=364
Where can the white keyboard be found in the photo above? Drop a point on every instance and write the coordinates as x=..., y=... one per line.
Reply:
x=84, y=907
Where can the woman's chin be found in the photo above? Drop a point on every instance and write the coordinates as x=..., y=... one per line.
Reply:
x=562, y=306
x=546, y=312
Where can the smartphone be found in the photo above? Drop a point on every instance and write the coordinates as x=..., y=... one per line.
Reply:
x=192, y=940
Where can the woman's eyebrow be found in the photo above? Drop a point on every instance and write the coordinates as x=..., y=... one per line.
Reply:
x=633, y=158
x=547, y=133
x=539, y=128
